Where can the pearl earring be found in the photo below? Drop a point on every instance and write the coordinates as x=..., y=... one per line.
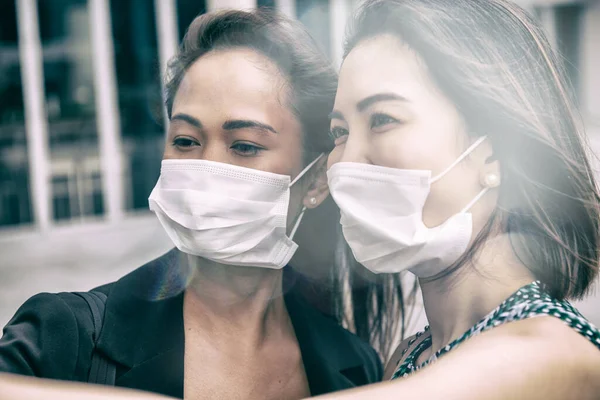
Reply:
x=491, y=180
x=313, y=201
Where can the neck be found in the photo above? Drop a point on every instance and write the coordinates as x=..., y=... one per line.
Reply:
x=456, y=302
x=240, y=303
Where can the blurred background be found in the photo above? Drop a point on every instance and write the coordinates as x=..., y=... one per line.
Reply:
x=81, y=126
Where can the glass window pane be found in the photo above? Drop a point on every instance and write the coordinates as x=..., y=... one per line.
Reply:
x=187, y=10
x=568, y=34
x=139, y=93
x=70, y=105
x=265, y=3
x=314, y=14
x=15, y=203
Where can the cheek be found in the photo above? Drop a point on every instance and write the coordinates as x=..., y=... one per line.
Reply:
x=168, y=153
x=287, y=146
x=423, y=144
x=286, y=156
x=403, y=150
x=335, y=156
x=171, y=153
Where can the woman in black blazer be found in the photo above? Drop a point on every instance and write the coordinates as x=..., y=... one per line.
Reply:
x=247, y=99
x=143, y=336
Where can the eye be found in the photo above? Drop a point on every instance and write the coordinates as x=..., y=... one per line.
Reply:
x=381, y=120
x=184, y=143
x=246, y=149
x=337, y=132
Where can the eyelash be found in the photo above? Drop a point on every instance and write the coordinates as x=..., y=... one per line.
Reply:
x=241, y=148
x=337, y=132
x=375, y=121
x=388, y=120
x=184, y=143
x=253, y=149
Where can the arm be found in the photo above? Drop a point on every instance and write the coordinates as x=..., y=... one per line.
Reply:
x=43, y=339
x=15, y=387
x=534, y=359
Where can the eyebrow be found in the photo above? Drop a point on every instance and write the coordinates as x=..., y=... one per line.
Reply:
x=369, y=101
x=187, y=118
x=230, y=125
x=376, y=98
x=235, y=124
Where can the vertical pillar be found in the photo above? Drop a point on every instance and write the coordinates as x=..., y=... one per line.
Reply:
x=548, y=21
x=30, y=54
x=107, y=115
x=287, y=7
x=166, y=24
x=212, y=5
x=338, y=15
x=590, y=62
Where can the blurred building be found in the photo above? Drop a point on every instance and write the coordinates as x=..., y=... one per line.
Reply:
x=573, y=28
x=81, y=121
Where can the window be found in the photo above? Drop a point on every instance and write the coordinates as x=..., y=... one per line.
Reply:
x=265, y=3
x=15, y=203
x=187, y=10
x=139, y=96
x=314, y=14
x=70, y=104
x=568, y=37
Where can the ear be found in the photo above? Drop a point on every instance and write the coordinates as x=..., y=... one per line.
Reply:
x=319, y=189
x=489, y=173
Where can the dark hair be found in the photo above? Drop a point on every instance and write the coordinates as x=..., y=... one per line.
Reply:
x=313, y=83
x=311, y=77
x=376, y=305
x=495, y=64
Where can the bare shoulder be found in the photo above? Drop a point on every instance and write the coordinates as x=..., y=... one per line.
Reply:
x=399, y=354
x=542, y=343
x=549, y=330
x=541, y=357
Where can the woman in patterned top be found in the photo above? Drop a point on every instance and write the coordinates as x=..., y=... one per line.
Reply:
x=460, y=157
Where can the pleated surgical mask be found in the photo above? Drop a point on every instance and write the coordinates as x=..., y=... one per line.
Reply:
x=226, y=213
x=382, y=218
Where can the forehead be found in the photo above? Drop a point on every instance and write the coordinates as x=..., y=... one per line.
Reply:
x=383, y=64
x=232, y=79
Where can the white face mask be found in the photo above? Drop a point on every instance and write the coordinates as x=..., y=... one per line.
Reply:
x=225, y=213
x=382, y=218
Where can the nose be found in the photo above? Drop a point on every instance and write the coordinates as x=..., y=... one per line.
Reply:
x=356, y=149
x=215, y=151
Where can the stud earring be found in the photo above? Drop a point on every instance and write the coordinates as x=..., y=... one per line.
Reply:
x=313, y=201
x=491, y=180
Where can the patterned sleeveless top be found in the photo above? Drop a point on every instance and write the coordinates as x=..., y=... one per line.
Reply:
x=528, y=302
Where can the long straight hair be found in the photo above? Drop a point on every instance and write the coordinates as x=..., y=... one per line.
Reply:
x=493, y=61
x=377, y=307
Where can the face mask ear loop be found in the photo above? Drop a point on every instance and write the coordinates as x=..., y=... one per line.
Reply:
x=458, y=160
x=308, y=167
x=475, y=200
x=297, y=224
x=296, y=179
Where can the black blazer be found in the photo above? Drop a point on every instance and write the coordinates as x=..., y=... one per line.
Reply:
x=50, y=336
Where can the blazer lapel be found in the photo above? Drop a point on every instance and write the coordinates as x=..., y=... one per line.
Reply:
x=330, y=359
x=162, y=373
x=143, y=326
